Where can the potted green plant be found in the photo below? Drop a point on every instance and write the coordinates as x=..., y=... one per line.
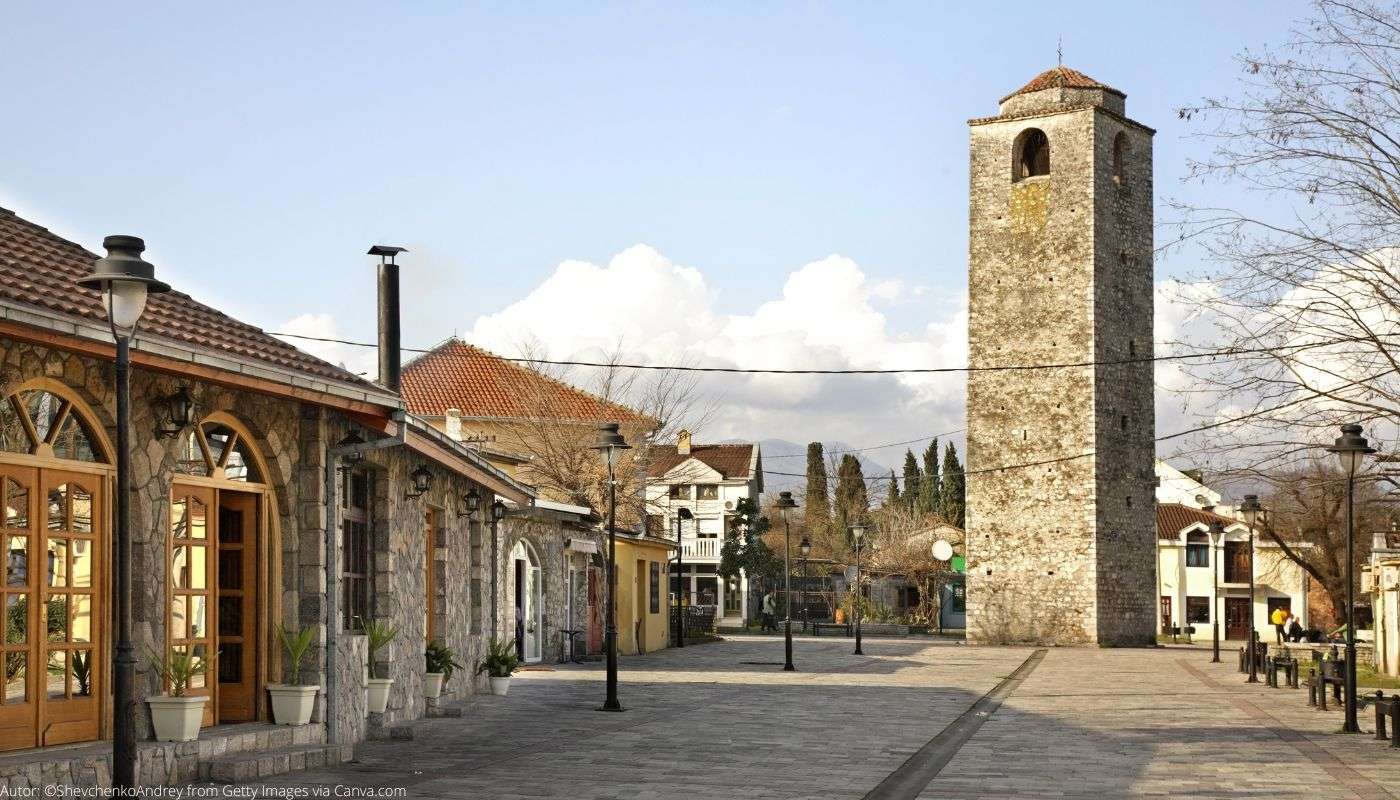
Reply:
x=379, y=635
x=292, y=703
x=499, y=664
x=442, y=662
x=176, y=716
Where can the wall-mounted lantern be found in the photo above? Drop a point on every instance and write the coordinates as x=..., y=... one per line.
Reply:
x=468, y=503
x=422, y=479
x=176, y=412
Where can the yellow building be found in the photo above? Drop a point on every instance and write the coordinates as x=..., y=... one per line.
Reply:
x=642, y=605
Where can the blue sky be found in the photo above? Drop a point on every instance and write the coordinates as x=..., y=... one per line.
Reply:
x=261, y=148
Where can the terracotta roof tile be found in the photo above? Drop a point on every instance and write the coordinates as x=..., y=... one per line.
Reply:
x=733, y=461
x=1172, y=518
x=479, y=384
x=1060, y=77
x=39, y=268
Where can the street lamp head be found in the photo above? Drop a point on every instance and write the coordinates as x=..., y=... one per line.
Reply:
x=1251, y=508
x=498, y=511
x=685, y=513
x=1350, y=447
x=609, y=441
x=125, y=280
x=1217, y=528
x=805, y=547
x=857, y=532
x=785, y=504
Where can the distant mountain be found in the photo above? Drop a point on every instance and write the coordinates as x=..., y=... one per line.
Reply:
x=780, y=455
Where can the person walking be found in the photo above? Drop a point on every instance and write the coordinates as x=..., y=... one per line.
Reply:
x=1278, y=618
x=769, y=610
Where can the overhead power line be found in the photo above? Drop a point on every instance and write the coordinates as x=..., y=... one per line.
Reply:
x=873, y=446
x=1223, y=352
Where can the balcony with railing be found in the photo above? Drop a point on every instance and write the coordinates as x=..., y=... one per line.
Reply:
x=700, y=549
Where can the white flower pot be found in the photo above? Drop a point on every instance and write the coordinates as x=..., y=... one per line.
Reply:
x=292, y=705
x=176, y=719
x=432, y=685
x=379, y=694
x=499, y=686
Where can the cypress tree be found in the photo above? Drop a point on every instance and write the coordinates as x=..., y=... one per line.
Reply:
x=954, y=491
x=816, y=514
x=912, y=497
x=852, y=502
x=930, y=501
x=893, y=499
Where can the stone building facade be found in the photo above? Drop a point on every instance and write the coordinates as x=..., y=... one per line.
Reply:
x=1060, y=525
x=230, y=513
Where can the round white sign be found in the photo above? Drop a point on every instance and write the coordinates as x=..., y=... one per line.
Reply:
x=942, y=550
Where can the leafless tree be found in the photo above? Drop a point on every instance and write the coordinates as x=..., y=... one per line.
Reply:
x=1303, y=285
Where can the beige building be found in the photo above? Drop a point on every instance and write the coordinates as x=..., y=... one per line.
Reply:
x=1382, y=579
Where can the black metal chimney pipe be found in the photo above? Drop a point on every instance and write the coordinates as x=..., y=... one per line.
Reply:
x=390, y=359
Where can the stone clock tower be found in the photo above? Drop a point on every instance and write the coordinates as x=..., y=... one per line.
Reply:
x=1061, y=519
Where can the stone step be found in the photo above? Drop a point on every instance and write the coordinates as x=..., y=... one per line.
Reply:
x=255, y=765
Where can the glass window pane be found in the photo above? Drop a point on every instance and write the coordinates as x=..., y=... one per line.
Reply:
x=188, y=569
x=190, y=459
x=43, y=409
x=16, y=504
x=13, y=437
x=217, y=437
x=230, y=569
x=199, y=681
x=56, y=610
x=16, y=678
x=179, y=630
x=230, y=616
x=58, y=507
x=16, y=619
x=57, y=563
x=82, y=672
x=198, y=605
x=17, y=561
x=82, y=511
x=240, y=465
x=80, y=563
x=58, y=675
x=230, y=663
x=199, y=520
x=80, y=618
x=73, y=441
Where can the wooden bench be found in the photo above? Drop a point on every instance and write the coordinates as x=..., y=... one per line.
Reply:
x=1284, y=663
x=818, y=627
x=1387, y=708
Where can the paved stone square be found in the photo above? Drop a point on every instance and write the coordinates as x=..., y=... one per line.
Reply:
x=709, y=722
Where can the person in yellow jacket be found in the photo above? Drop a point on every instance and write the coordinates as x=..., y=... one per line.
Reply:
x=1278, y=618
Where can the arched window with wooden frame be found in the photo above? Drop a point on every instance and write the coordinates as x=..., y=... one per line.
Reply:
x=54, y=477
x=1197, y=549
x=221, y=557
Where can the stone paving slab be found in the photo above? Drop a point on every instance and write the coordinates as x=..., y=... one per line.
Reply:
x=702, y=724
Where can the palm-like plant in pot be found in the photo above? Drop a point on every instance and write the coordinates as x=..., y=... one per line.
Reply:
x=292, y=703
x=442, y=662
x=176, y=716
x=378, y=635
x=499, y=664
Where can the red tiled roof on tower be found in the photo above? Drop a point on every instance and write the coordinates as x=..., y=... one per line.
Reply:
x=39, y=268
x=480, y=384
x=1060, y=77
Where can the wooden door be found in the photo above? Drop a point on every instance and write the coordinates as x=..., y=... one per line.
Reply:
x=236, y=612
x=192, y=531
x=1237, y=567
x=1237, y=618
x=69, y=518
x=19, y=706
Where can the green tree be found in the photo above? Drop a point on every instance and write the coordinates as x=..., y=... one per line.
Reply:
x=744, y=548
x=930, y=500
x=852, y=501
x=912, y=494
x=893, y=498
x=816, y=514
x=953, y=494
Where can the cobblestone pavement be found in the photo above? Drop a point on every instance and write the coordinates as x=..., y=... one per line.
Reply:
x=701, y=722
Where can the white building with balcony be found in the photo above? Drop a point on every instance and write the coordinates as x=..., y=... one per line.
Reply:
x=709, y=480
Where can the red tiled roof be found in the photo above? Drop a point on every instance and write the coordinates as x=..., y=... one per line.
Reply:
x=1058, y=77
x=39, y=268
x=730, y=460
x=479, y=384
x=1172, y=518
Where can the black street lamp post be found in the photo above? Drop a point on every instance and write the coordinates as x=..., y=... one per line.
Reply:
x=858, y=537
x=609, y=442
x=681, y=514
x=125, y=280
x=1251, y=508
x=1350, y=448
x=1217, y=533
x=786, y=504
x=805, y=548
x=498, y=513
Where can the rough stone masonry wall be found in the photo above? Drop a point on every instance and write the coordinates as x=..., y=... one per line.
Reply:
x=546, y=532
x=1125, y=447
x=1033, y=571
